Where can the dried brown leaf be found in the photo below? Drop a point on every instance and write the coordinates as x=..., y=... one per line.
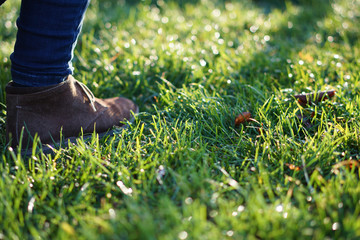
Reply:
x=293, y=167
x=305, y=120
x=308, y=98
x=348, y=164
x=241, y=118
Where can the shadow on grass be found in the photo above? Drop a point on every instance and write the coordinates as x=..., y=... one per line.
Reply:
x=286, y=40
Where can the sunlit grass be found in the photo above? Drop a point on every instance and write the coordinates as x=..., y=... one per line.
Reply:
x=183, y=170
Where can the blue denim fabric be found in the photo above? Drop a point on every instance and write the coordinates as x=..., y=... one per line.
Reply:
x=46, y=38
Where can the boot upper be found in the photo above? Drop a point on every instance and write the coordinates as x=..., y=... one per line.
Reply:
x=63, y=109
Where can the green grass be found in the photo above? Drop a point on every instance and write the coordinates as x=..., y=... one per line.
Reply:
x=192, y=68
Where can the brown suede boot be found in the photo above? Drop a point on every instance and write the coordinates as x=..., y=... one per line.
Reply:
x=65, y=108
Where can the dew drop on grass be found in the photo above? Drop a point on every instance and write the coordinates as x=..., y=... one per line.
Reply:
x=208, y=28
x=180, y=19
x=279, y=208
x=8, y=24
x=183, y=235
x=165, y=20
x=214, y=50
x=290, y=25
x=233, y=183
x=229, y=6
x=109, y=68
x=216, y=13
x=230, y=233
x=318, y=38
x=31, y=205
x=112, y=213
x=97, y=50
x=241, y=208
x=188, y=200
x=161, y=171
x=335, y=226
x=254, y=28
x=107, y=25
x=213, y=213
x=124, y=189
x=46, y=225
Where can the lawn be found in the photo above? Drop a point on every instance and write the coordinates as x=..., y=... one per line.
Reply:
x=183, y=169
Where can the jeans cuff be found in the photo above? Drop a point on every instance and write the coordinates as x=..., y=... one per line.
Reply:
x=36, y=80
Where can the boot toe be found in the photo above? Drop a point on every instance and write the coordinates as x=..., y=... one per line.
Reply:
x=118, y=109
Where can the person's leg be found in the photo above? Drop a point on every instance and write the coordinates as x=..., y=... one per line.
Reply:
x=47, y=34
x=44, y=98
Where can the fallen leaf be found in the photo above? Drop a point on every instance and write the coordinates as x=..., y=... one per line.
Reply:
x=293, y=167
x=114, y=57
x=241, y=118
x=305, y=120
x=348, y=164
x=308, y=98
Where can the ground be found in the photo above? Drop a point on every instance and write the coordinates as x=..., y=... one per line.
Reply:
x=183, y=169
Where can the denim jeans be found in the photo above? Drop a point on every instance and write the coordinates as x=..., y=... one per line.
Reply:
x=47, y=34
